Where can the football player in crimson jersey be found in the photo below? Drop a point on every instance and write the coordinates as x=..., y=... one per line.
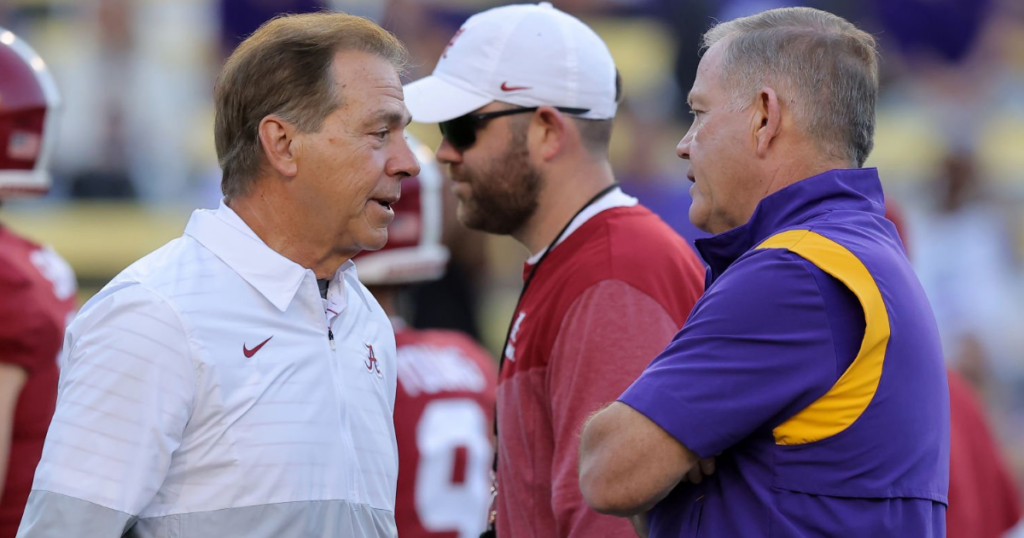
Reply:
x=37, y=288
x=446, y=381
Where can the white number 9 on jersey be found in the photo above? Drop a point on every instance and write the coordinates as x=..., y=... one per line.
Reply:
x=443, y=501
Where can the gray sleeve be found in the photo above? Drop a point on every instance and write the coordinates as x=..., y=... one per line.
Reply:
x=52, y=515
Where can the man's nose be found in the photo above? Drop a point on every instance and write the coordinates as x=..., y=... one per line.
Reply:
x=683, y=147
x=447, y=154
x=405, y=163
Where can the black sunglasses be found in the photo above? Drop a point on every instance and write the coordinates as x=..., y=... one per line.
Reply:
x=461, y=131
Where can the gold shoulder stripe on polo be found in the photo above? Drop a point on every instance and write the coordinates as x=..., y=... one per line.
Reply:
x=849, y=397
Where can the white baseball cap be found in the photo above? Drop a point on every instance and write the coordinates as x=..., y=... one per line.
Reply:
x=527, y=55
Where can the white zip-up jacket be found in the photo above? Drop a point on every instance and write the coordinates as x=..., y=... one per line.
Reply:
x=209, y=392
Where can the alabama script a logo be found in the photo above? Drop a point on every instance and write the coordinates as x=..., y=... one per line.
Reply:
x=444, y=53
x=510, y=349
x=371, y=361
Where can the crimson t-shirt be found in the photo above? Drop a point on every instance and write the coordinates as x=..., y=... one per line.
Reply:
x=37, y=297
x=602, y=304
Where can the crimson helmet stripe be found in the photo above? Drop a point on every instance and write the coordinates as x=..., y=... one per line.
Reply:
x=431, y=182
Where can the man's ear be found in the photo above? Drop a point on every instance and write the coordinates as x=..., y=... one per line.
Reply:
x=277, y=137
x=549, y=129
x=767, y=119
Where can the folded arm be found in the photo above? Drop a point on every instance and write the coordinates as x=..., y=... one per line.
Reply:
x=757, y=349
x=628, y=463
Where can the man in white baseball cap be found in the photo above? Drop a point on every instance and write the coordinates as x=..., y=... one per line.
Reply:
x=527, y=55
x=525, y=97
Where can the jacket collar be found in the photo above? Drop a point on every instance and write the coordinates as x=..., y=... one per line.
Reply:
x=857, y=189
x=277, y=278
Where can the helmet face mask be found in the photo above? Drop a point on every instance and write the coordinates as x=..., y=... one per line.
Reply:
x=29, y=102
x=414, y=252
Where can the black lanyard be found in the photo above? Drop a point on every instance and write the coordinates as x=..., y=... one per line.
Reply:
x=491, y=532
x=533, y=271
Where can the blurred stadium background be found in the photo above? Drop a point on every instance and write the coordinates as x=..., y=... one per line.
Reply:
x=136, y=154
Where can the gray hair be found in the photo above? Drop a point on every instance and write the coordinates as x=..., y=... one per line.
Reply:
x=814, y=58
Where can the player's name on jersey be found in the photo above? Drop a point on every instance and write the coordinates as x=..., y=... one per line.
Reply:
x=424, y=369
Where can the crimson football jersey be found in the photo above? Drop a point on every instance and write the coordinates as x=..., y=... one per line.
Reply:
x=37, y=298
x=443, y=413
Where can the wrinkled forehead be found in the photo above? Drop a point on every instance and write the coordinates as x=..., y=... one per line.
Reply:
x=369, y=84
x=365, y=72
x=709, y=74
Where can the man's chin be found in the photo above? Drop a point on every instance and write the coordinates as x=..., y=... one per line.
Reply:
x=467, y=217
x=374, y=242
x=699, y=219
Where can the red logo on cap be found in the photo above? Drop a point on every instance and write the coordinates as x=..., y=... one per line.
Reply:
x=506, y=88
x=444, y=54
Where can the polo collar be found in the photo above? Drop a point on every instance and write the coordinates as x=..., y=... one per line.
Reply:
x=857, y=189
x=613, y=199
x=277, y=278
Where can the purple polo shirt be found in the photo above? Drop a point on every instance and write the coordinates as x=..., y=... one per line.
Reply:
x=811, y=369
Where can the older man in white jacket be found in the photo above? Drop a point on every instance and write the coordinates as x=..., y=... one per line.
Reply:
x=219, y=386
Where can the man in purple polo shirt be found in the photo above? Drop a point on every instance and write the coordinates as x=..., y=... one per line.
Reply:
x=811, y=369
